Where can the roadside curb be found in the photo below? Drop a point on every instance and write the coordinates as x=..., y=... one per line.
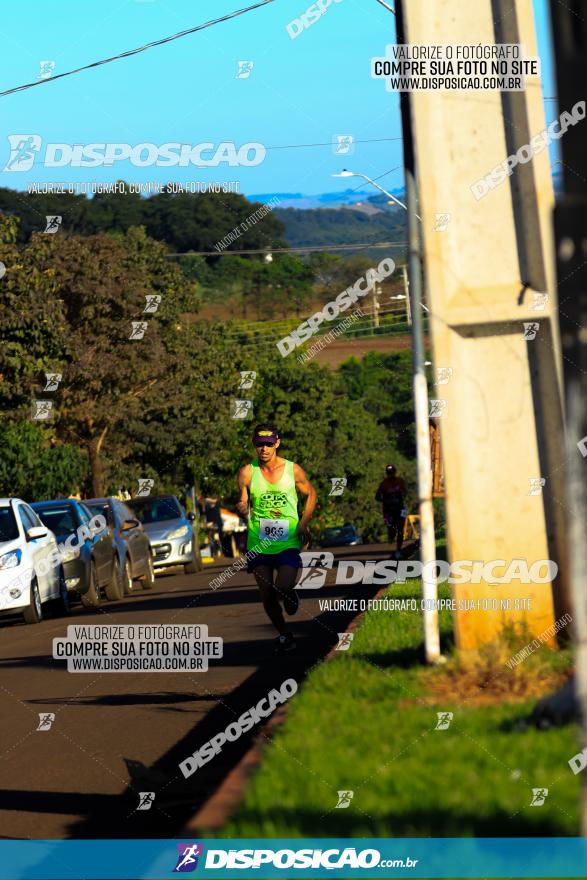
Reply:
x=221, y=804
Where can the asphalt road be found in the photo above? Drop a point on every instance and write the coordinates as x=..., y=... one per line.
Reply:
x=118, y=734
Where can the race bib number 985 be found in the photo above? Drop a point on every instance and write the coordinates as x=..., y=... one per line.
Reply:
x=274, y=529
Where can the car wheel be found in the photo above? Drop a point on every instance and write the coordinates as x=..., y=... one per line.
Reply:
x=92, y=597
x=148, y=580
x=34, y=613
x=127, y=584
x=113, y=588
x=62, y=606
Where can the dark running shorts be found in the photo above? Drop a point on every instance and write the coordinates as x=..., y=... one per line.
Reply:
x=291, y=557
x=393, y=518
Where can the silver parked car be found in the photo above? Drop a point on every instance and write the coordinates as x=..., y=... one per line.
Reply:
x=169, y=530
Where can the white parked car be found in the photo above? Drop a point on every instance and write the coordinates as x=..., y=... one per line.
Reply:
x=31, y=572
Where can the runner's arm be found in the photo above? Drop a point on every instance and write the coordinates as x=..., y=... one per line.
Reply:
x=379, y=493
x=244, y=481
x=304, y=486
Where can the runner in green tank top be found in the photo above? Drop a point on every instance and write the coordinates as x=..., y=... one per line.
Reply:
x=268, y=489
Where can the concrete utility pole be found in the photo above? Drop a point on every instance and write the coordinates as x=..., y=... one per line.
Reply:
x=501, y=411
x=570, y=50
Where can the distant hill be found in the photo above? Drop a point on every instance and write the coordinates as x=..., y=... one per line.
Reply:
x=327, y=226
x=347, y=198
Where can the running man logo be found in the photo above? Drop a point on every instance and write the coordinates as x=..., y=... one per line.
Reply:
x=241, y=409
x=247, y=380
x=23, y=151
x=539, y=302
x=444, y=719
x=582, y=446
x=338, y=485
x=2, y=269
x=53, y=223
x=441, y=222
x=443, y=375
x=536, y=484
x=52, y=381
x=46, y=69
x=344, y=799
x=42, y=410
x=344, y=641
x=46, y=719
x=187, y=859
x=531, y=328
x=437, y=408
x=315, y=567
x=343, y=145
x=539, y=795
x=146, y=800
x=153, y=301
x=138, y=329
x=145, y=486
x=245, y=68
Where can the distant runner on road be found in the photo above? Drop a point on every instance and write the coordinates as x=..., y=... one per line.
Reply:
x=391, y=493
x=268, y=490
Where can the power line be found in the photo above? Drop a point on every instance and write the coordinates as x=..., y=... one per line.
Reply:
x=127, y=54
x=310, y=248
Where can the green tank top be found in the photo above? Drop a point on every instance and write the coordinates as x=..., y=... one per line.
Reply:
x=273, y=516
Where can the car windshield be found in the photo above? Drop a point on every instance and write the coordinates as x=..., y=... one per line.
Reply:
x=339, y=532
x=103, y=509
x=152, y=510
x=8, y=527
x=61, y=520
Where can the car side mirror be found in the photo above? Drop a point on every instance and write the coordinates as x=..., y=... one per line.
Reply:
x=129, y=524
x=191, y=516
x=36, y=532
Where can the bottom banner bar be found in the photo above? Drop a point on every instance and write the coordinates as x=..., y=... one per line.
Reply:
x=296, y=857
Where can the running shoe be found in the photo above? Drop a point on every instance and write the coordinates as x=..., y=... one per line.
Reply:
x=291, y=602
x=285, y=643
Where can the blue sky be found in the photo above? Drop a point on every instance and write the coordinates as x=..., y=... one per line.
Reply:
x=301, y=91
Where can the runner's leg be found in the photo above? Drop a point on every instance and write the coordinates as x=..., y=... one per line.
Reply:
x=285, y=580
x=264, y=577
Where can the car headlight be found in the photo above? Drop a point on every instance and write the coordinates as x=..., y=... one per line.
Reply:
x=178, y=533
x=10, y=560
x=68, y=555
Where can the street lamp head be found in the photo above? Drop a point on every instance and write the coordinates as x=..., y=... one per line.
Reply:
x=345, y=173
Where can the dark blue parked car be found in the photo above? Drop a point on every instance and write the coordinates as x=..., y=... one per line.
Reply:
x=88, y=554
